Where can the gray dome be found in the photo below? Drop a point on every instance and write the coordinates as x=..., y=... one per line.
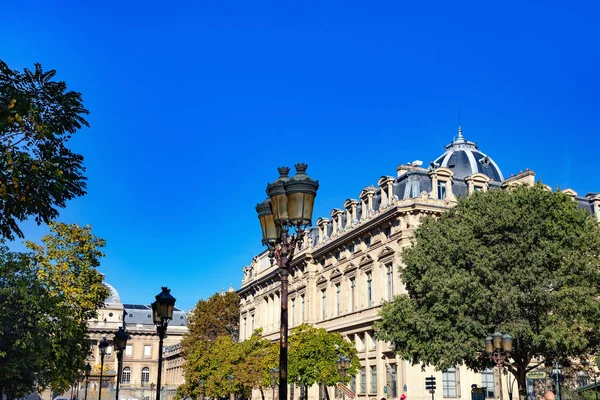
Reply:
x=464, y=159
x=113, y=295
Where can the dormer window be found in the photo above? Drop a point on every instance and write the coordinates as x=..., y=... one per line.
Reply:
x=441, y=190
x=478, y=188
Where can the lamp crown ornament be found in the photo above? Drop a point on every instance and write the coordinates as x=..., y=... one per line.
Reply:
x=283, y=171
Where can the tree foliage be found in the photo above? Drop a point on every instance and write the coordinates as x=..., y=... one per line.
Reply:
x=313, y=356
x=523, y=261
x=38, y=173
x=49, y=293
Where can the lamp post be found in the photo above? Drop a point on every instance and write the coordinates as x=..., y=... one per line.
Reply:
x=88, y=369
x=290, y=205
x=274, y=376
x=201, y=384
x=162, y=313
x=120, y=341
x=102, y=346
x=558, y=372
x=343, y=364
x=498, y=346
x=230, y=379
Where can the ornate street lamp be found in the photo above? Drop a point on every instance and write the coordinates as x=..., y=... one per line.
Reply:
x=120, y=341
x=88, y=369
x=498, y=346
x=343, y=365
x=230, y=379
x=290, y=205
x=162, y=313
x=102, y=346
x=274, y=375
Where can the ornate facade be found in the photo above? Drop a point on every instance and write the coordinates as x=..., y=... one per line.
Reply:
x=349, y=264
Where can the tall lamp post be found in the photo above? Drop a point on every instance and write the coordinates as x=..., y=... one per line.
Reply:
x=120, y=341
x=230, y=379
x=498, y=346
x=162, y=312
x=274, y=376
x=102, y=346
x=88, y=369
x=558, y=372
x=343, y=364
x=290, y=205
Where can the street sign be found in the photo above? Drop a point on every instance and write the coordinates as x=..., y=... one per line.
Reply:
x=430, y=383
x=345, y=389
x=536, y=375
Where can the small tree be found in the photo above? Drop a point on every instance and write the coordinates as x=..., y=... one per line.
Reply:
x=313, y=356
x=523, y=261
x=38, y=173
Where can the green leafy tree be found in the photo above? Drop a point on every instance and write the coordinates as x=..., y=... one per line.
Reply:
x=38, y=173
x=52, y=292
x=523, y=261
x=259, y=356
x=210, y=346
x=313, y=356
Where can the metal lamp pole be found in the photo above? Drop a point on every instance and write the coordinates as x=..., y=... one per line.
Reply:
x=498, y=346
x=162, y=312
x=102, y=346
x=343, y=363
x=290, y=204
x=230, y=379
x=120, y=341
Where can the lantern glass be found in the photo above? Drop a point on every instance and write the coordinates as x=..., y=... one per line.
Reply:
x=102, y=346
x=507, y=343
x=497, y=340
x=155, y=314
x=271, y=232
x=300, y=206
x=121, y=339
x=489, y=348
x=277, y=193
x=166, y=304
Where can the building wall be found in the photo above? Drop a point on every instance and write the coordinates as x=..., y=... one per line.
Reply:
x=348, y=268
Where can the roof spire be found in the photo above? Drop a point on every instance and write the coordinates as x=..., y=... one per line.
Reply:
x=460, y=134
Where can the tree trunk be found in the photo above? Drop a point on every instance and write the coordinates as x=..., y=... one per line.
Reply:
x=521, y=370
x=262, y=394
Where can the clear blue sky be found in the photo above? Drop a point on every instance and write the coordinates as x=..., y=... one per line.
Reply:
x=194, y=104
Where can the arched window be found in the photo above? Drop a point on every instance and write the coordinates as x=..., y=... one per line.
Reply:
x=126, y=377
x=145, y=375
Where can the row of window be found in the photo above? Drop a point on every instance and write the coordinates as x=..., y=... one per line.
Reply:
x=387, y=231
x=126, y=376
x=389, y=292
x=128, y=351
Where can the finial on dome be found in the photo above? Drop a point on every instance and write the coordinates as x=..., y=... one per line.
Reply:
x=460, y=135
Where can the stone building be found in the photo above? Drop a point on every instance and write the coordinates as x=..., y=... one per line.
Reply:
x=349, y=266
x=140, y=358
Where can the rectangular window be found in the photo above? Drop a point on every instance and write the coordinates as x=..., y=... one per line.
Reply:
x=478, y=188
x=302, y=309
x=369, y=290
x=351, y=248
x=389, y=287
x=338, y=298
x=487, y=383
x=368, y=242
x=449, y=383
x=323, y=303
x=360, y=343
x=128, y=350
x=252, y=323
x=363, y=380
x=441, y=186
x=244, y=330
x=393, y=380
x=371, y=340
x=352, y=294
x=292, y=313
x=373, y=379
x=147, y=350
x=353, y=383
x=337, y=255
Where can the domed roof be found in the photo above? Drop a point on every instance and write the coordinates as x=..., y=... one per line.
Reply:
x=113, y=295
x=464, y=159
